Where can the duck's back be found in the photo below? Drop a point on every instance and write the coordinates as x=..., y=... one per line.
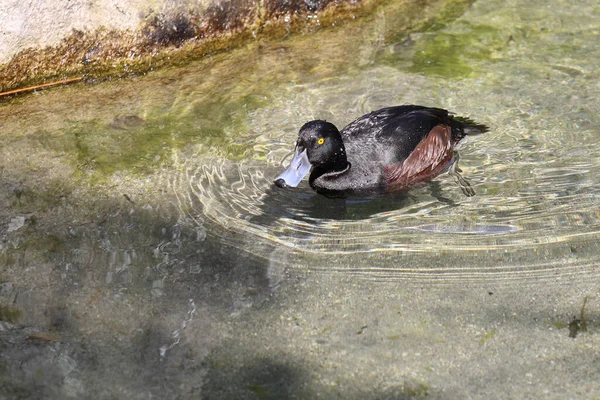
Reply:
x=388, y=136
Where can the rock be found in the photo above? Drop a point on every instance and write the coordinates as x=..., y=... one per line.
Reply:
x=16, y=223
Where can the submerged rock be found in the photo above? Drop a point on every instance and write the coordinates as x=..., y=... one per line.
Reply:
x=16, y=223
x=126, y=122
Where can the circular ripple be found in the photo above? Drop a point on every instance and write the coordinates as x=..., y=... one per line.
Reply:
x=536, y=213
x=547, y=225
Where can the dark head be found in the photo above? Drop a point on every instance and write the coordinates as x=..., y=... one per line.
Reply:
x=319, y=146
x=323, y=144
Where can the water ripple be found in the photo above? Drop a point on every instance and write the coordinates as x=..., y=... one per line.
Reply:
x=552, y=213
x=536, y=213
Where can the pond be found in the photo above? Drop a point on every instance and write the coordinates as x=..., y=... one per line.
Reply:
x=146, y=252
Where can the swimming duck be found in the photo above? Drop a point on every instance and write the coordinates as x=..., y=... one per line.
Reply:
x=384, y=151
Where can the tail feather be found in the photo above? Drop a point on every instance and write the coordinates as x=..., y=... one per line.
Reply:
x=471, y=127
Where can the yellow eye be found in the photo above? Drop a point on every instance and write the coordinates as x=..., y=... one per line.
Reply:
x=321, y=141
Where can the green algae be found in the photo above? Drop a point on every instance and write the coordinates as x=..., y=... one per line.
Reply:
x=448, y=54
x=559, y=324
x=260, y=391
x=452, y=55
x=100, y=150
x=487, y=336
x=10, y=314
x=447, y=13
x=415, y=389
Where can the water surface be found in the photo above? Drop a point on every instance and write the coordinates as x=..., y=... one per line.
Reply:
x=141, y=229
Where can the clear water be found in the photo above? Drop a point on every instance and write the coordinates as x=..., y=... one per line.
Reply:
x=533, y=173
x=152, y=256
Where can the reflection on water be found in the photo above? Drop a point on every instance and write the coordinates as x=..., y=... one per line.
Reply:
x=146, y=230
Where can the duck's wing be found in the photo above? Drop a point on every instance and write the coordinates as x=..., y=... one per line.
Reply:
x=398, y=129
x=411, y=143
x=428, y=159
x=408, y=144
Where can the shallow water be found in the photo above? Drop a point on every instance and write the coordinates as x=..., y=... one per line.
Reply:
x=158, y=243
x=530, y=73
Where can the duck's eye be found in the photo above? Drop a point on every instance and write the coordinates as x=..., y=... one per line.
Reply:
x=321, y=140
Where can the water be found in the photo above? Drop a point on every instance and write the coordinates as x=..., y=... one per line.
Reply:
x=141, y=229
x=536, y=163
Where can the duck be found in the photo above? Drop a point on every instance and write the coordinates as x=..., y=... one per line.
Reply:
x=384, y=151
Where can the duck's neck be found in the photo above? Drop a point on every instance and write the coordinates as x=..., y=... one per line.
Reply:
x=335, y=165
x=330, y=183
